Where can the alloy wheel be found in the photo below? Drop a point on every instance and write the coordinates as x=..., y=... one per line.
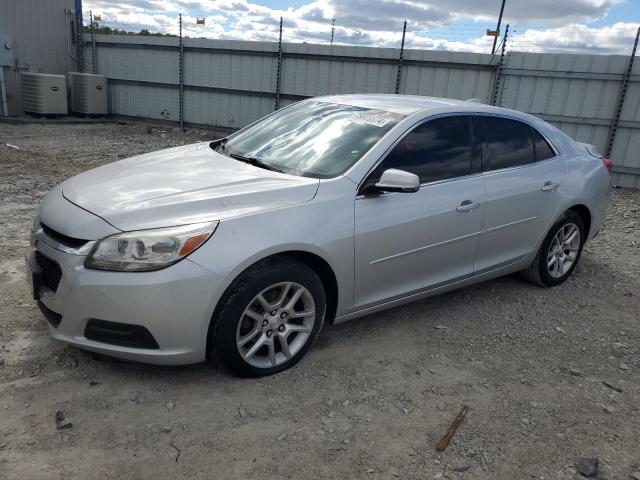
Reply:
x=563, y=250
x=275, y=325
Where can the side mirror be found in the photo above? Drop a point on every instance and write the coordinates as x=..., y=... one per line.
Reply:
x=394, y=180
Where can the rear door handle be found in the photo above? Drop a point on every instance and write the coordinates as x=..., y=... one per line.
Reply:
x=467, y=206
x=549, y=186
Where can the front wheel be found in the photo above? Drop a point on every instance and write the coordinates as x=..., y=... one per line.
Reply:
x=559, y=253
x=268, y=318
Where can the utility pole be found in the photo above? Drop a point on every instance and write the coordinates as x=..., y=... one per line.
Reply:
x=333, y=29
x=495, y=38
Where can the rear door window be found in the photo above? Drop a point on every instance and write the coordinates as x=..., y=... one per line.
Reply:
x=508, y=144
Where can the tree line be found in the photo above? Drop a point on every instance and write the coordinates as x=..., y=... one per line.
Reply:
x=98, y=29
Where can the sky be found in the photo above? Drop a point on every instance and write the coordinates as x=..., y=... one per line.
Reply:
x=560, y=26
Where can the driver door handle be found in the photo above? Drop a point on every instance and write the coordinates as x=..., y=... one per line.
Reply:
x=549, y=186
x=467, y=206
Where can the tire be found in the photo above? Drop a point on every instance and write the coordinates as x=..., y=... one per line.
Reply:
x=540, y=271
x=247, y=339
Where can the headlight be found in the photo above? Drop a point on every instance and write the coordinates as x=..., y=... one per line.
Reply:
x=147, y=250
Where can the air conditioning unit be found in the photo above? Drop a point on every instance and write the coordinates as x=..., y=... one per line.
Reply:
x=88, y=93
x=44, y=94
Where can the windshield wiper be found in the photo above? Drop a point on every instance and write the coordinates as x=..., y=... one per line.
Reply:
x=254, y=161
x=221, y=146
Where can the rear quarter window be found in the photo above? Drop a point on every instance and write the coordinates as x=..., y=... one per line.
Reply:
x=541, y=147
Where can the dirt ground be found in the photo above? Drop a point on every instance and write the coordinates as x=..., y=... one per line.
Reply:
x=369, y=401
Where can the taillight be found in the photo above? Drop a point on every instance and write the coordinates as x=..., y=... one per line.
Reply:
x=607, y=163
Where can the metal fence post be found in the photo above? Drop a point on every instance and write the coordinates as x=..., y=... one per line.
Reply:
x=93, y=43
x=181, y=77
x=279, y=69
x=613, y=128
x=333, y=29
x=401, y=59
x=79, y=40
x=498, y=80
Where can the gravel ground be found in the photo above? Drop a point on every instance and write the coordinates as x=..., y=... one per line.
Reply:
x=369, y=401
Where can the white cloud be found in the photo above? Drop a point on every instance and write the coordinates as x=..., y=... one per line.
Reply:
x=617, y=38
x=379, y=22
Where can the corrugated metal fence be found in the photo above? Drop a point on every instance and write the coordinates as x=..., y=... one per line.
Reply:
x=231, y=83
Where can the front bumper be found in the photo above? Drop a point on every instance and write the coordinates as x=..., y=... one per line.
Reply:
x=174, y=304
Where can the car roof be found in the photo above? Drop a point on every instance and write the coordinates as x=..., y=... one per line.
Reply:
x=425, y=106
x=403, y=104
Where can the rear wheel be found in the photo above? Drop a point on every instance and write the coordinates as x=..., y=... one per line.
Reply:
x=268, y=318
x=559, y=253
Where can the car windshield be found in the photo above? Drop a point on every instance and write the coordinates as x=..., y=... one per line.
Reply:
x=311, y=138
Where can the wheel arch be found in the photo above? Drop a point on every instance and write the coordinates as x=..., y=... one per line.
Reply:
x=585, y=214
x=327, y=277
x=579, y=208
x=313, y=260
x=534, y=272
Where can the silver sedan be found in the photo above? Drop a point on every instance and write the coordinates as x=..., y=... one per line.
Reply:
x=326, y=210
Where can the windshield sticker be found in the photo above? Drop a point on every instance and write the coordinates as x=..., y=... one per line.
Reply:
x=377, y=119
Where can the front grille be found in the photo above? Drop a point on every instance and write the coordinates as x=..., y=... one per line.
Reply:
x=121, y=334
x=62, y=238
x=51, y=272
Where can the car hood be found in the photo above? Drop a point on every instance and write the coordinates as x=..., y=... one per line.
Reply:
x=182, y=185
